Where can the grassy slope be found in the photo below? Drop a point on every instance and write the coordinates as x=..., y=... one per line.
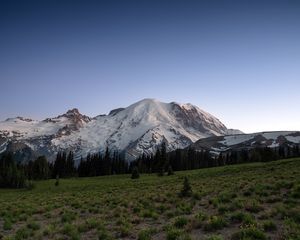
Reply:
x=259, y=200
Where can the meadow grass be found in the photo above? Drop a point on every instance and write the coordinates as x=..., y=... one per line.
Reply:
x=248, y=201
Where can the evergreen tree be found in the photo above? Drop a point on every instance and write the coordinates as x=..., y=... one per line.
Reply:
x=70, y=165
x=135, y=173
x=170, y=171
x=161, y=159
x=187, y=189
x=40, y=169
x=107, y=163
x=11, y=174
x=57, y=181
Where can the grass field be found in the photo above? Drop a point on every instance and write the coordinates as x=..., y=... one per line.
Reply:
x=249, y=201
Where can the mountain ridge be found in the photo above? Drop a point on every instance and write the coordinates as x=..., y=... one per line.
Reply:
x=238, y=142
x=136, y=129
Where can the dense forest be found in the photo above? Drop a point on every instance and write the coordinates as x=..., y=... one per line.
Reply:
x=188, y=159
x=19, y=175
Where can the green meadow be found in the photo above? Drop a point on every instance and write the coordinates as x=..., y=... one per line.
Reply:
x=247, y=201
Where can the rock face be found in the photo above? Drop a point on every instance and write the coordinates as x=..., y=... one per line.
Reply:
x=137, y=129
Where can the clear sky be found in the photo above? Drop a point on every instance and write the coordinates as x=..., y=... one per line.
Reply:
x=239, y=60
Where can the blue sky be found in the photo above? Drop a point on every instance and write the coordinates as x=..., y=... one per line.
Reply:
x=239, y=60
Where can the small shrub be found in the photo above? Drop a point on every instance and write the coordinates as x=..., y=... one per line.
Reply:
x=89, y=224
x=296, y=191
x=93, y=223
x=7, y=225
x=103, y=234
x=223, y=209
x=149, y=213
x=173, y=234
x=253, y=207
x=68, y=217
x=215, y=223
x=215, y=237
x=71, y=231
x=176, y=234
x=294, y=214
x=251, y=233
x=241, y=217
x=23, y=233
x=197, y=196
x=269, y=226
x=146, y=234
x=180, y=222
x=247, y=193
x=184, y=208
x=34, y=226
x=291, y=230
x=124, y=231
x=214, y=202
x=46, y=231
x=198, y=220
x=226, y=197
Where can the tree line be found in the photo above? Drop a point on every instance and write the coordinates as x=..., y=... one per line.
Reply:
x=189, y=159
x=100, y=165
x=178, y=160
x=17, y=175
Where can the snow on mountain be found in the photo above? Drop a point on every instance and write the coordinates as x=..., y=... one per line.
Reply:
x=137, y=129
x=22, y=128
x=142, y=126
x=244, y=141
x=233, y=132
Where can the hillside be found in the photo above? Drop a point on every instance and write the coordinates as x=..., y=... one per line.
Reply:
x=256, y=201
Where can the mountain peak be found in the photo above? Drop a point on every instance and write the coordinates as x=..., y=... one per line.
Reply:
x=76, y=116
x=147, y=101
x=115, y=111
x=73, y=111
x=20, y=119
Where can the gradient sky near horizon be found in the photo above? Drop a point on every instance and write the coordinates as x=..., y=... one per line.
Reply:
x=238, y=60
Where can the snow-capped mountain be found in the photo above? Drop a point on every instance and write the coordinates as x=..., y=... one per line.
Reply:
x=238, y=142
x=137, y=129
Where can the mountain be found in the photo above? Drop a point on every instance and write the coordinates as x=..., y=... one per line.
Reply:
x=238, y=142
x=137, y=129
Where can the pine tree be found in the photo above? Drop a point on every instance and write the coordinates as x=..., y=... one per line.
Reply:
x=40, y=168
x=187, y=189
x=161, y=158
x=107, y=163
x=70, y=165
x=11, y=174
x=57, y=181
x=135, y=173
x=170, y=171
